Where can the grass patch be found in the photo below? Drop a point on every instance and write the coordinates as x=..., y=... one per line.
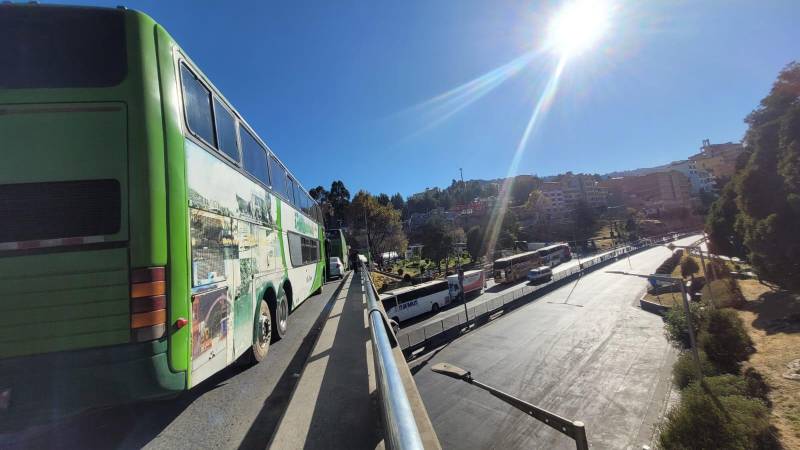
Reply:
x=772, y=320
x=669, y=299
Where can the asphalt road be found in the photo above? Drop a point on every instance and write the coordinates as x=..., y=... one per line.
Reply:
x=594, y=356
x=492, y=290
x=238, y=408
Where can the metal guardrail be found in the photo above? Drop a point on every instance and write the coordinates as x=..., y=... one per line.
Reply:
x=449, y=328
x=399, y=425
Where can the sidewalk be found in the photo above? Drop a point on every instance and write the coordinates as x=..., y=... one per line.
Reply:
x=334, y=403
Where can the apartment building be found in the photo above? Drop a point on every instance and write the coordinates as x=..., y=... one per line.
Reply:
x=719, y=160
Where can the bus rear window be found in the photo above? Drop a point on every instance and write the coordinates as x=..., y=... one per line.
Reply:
x=58, y=47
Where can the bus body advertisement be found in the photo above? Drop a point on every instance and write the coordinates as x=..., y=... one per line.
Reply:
x=411, y=301
x=160, y=234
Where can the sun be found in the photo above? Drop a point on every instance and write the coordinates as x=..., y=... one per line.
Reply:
x=578, y=26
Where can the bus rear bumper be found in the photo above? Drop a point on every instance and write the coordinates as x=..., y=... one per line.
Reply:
x=42, y=388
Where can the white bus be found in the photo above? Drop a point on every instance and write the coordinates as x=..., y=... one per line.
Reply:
x=411, y=301
x=554, y=255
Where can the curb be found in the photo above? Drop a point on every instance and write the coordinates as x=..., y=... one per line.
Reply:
x=653, y=307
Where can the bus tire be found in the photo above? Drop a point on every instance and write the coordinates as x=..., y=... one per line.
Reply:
x=263, y=334
x=280, y=316
x=435, y=308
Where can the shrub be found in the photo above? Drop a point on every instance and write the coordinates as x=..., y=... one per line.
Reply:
x=689, y=267
x=684, y=371
x=670, y=263
x=725, y=340
x=723, y=293
x=699, y=423
x=756, y=387
x=676, y=328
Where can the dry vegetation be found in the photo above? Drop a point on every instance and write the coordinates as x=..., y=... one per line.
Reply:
x=772, y=319
x=670, y=299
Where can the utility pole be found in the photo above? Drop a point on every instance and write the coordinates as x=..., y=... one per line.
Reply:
x=463, y=187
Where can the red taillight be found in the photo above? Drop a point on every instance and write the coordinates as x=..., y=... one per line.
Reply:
x=148, y=303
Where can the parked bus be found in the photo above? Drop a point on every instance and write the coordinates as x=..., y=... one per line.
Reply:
x=411, y=301
x=554, y=255
x=149, y=237
x=474, y=281
x=337, y=247
x=514, y=268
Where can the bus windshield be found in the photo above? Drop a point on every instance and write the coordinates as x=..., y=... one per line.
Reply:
x=46, y=47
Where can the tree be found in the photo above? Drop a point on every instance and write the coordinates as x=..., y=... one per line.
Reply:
x=475, y=242
x=768, y=188
x=321, y=196
x=437, y=238
x=397, y=202
x=383, y=199
x=522, y=186
x=339, y=199
x=689, y=267
x=585, y=219
x=720, y=225
x=381, y=224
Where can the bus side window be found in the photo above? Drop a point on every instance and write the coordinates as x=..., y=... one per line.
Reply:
x=290, y=189
x=254, y=157
x=197, y=106
x=277, y=175
x=226, y=131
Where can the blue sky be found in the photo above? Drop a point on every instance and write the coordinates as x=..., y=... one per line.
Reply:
x=342, y=90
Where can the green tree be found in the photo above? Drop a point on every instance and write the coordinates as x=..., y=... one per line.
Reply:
x=475, y=242
x=768, y=187
x=723, y=237
x=437, y=240
x=398, y=203
x=321, y=196
x=339, y=199
x=383, y=199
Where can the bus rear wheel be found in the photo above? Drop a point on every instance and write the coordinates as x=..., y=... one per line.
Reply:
x=263, y=333
x=435, y=308
x=280, y=316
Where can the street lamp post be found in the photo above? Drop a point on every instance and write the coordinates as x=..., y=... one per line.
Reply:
x=574, y=429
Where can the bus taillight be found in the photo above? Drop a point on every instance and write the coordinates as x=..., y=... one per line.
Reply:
x=148, y=303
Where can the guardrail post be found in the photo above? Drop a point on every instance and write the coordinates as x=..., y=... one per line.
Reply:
x=580, y=436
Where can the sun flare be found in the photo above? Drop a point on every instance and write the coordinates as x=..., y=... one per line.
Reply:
x=578, y=26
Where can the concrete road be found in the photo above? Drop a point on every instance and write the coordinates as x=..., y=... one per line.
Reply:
x=237, y=408
x=492, y=290
x=594, y=357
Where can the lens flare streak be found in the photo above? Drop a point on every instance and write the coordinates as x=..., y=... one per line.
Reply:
x=438, y=109
x=501, y=206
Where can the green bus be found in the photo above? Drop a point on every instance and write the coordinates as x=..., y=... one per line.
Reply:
x=337, y=246
x=149, y=238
